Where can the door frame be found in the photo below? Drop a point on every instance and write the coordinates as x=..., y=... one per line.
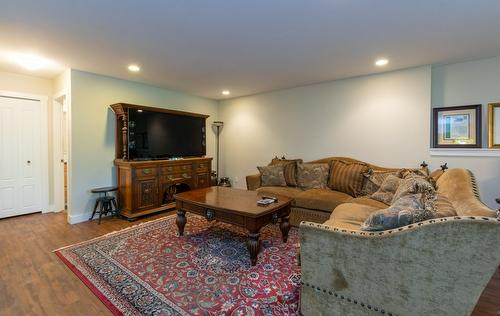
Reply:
x=44, y=142
x=57, y=173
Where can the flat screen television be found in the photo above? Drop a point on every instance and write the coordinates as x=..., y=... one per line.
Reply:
x=162, y=135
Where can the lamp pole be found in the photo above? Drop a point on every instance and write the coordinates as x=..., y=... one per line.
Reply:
x=218, y=125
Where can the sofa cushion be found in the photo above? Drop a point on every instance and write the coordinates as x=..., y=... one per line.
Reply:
x=289, y=169
x=283, y=191
x=347, y=177
x=312, y=175
x=386, y=191
x=366, y=200
x=321, y=199
x=272, y=176
x=350, y=215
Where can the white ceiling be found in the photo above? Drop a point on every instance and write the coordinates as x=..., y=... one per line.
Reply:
x=204, y=46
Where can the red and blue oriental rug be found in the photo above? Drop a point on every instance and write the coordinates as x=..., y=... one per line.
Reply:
x=149, y=270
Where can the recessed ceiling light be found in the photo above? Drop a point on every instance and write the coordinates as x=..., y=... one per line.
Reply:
x=139, y=111
x=381, y=62
x=226, y=92
x=29, y=61
x=134, y=68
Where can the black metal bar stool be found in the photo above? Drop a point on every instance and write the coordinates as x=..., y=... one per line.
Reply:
x=105, y=203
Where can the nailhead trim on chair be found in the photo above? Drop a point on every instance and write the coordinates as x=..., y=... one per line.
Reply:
x=348, y=299
x=475, y=188
x=404, y=228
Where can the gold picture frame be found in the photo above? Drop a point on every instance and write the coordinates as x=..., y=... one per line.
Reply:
x=494, y=125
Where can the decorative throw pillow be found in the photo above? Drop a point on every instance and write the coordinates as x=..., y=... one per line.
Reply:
x=417, y=184
x=401, y=213
x=312, y=175
x=413, y=201
x=386, y=191
x=347, y=177
x=272, y=176
x=289, y=169
x=414, y=184
x=373, y=179
x=404, y=173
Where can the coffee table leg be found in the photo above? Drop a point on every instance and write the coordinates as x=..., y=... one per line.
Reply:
x=253, y=246
x=285, y=227
x=181, y=221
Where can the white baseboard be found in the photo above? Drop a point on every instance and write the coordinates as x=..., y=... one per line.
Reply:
x=78, y=218
x=51, y=209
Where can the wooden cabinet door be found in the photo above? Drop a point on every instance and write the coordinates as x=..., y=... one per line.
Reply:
x=203, y=180
x=146, y=194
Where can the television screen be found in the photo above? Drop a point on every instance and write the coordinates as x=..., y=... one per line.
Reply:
x=161, y=135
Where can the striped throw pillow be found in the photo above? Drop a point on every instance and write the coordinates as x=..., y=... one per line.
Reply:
x=347, y=177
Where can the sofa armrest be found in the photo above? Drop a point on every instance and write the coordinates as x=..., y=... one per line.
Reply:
x=253, y=182
x=436, y=267
x=460, y=186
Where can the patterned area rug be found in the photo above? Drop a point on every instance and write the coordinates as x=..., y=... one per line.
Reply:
x=149, y=270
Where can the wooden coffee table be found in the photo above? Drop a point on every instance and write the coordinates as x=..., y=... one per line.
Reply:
x=234, y=206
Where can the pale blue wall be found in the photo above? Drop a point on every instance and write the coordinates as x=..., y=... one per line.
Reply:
x=93, y=128
x=473, y=82
x=294, y=113
x=382, y=118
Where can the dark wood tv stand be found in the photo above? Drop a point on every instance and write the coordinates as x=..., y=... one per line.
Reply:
x=148, y=186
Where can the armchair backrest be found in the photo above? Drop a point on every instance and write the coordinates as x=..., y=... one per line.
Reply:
x=459, y=185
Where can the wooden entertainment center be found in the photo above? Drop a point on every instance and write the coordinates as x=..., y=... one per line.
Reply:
x=148, y=186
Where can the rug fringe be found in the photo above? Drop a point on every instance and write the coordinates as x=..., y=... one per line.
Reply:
x=115, y=232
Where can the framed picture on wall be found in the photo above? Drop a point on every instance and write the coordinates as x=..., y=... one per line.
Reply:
x=494, y=125
x=457, y=126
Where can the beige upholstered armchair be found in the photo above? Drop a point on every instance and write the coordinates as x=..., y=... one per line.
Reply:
x=436, y=267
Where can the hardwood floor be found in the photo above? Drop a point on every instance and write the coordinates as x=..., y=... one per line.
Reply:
x=33, y=281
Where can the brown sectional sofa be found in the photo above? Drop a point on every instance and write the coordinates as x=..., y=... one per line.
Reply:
x=317, y=205
x=436, y=267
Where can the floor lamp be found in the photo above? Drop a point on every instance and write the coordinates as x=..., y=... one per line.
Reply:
x=218, y=125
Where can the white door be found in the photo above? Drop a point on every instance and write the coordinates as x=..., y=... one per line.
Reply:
x=20, y=156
